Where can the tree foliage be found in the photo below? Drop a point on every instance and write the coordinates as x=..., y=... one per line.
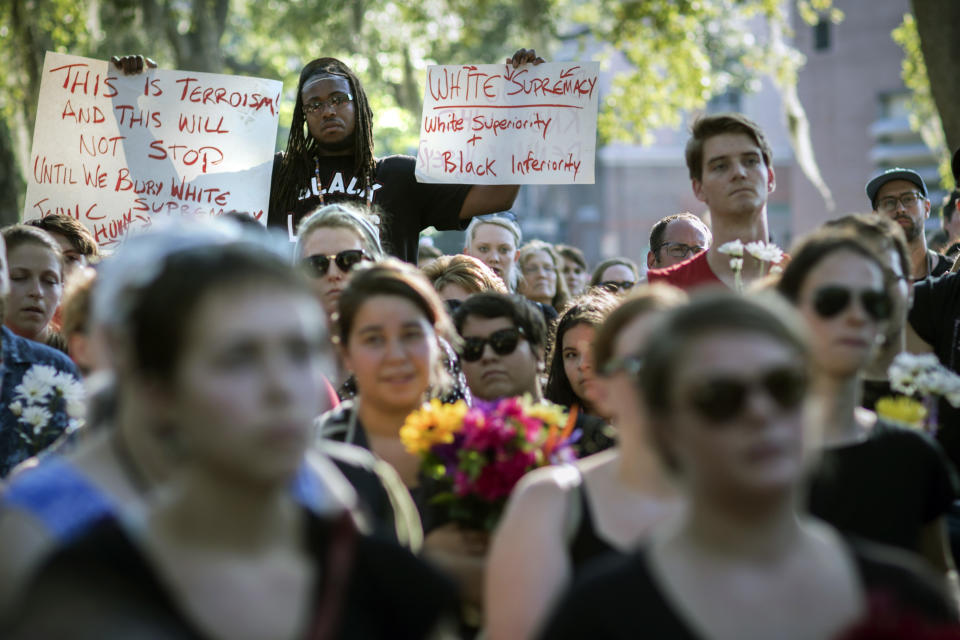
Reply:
x=678, y=53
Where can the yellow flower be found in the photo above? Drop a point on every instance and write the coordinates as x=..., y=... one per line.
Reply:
x=433, y=423
x=901, y=410
x=546, y=412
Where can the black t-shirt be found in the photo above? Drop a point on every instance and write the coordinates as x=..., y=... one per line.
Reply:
x=935, y=316
x=102, y=586
x=618, y=597
x=885, y=488
x=407, y=207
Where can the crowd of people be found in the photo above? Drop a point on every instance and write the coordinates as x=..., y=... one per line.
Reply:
x=235, y=467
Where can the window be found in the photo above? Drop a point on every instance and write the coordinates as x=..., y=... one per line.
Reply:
x=821, y=35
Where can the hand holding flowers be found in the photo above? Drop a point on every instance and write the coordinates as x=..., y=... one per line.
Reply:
x=47, y=404
x=478, y=454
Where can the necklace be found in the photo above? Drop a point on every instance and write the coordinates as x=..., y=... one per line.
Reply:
x=131, y=469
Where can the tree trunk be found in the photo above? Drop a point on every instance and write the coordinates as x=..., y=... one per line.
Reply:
x=10, y=182
x=937, y=22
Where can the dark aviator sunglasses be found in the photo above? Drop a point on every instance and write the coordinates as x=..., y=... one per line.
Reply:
x=832, y=300
x=318, y=265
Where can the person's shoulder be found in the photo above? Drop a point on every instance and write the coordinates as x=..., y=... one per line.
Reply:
x=947, y=284
x=24, y=351
x=548, y=483
x=901, y=576
x=691, y=271
x=902, y=441
x=334, y=424
x=345, y=453
x=396, y=165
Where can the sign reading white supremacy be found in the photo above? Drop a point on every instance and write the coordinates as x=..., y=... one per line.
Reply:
x=494, y=124
x=115, y=152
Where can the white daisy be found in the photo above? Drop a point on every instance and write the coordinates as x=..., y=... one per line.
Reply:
x=765, y=251
x=732, y=248
x=36, y=417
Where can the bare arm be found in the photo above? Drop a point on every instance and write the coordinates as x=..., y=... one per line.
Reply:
x=528, y=566
x=935, y=547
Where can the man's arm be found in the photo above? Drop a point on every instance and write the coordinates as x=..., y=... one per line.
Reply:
x=488, y=198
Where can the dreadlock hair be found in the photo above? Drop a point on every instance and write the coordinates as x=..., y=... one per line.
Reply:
x=299, y=160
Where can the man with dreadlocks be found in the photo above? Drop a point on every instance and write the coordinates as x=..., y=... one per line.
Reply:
x=329, y=157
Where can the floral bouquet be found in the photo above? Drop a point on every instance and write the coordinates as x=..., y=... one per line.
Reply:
x=476, y=455
x=47, y=403
x=919, y=375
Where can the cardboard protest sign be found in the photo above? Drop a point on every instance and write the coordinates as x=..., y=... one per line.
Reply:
x=494, y=124
x=116, y=152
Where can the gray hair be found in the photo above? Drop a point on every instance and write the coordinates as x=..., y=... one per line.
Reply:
x=343, y=216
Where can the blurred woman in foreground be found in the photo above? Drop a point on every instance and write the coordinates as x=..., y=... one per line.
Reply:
x=560, y=518
x=228, y=342
x=724, y=380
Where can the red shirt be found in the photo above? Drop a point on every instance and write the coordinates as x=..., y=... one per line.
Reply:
x=692, y=272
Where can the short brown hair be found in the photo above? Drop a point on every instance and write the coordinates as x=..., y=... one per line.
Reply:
x=76, y=305
x=20, y=234
x=706, y=127
x=76, y=234
x=597, y=278
x=642, y=300
x=465, y=271
x=880, y=232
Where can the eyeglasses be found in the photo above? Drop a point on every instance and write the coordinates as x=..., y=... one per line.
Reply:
x=630, y=365
x=503, y=342
x=832, y=300
x=721, y=399
x=336, y=101
x=531, y=268
x=680, y=250
x=908, y=200
x=318, y=265
x=614, y=286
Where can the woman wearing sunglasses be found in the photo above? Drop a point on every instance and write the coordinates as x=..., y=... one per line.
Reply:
x=874, y=481
x=724, y=381
x=572, y=377
x=331, y=242
x=616, y=275
x=561, y=518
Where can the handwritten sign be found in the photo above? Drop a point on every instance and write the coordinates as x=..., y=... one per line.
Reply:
x=494, y=124
x=115, y=152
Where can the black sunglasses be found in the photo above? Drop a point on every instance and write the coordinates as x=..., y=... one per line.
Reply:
x=832, y=300
x=721, y=399
x=613, y=286
x=503, y=342
x=318, y=265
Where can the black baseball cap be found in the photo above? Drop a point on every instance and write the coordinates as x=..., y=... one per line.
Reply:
x=897, y=173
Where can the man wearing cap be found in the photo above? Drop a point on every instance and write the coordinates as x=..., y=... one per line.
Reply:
x=901, y=195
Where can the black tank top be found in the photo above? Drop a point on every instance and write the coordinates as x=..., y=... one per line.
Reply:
x=585, y=543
